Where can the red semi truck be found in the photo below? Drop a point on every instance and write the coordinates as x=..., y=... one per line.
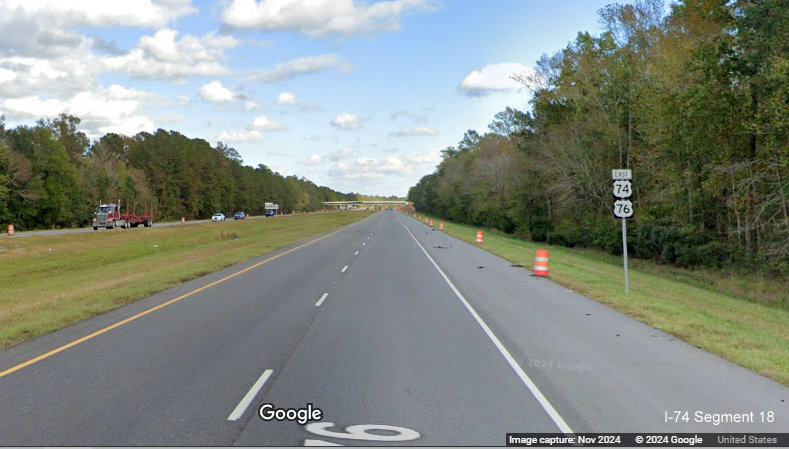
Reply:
x=110, y=215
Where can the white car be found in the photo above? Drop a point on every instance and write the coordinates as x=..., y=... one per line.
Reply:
x=218, y=217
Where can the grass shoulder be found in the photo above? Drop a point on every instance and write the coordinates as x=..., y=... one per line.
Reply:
x=51, y=281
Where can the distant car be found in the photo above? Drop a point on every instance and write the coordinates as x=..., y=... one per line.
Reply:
x=239, y=216
x=218, y=217
x=271, y=213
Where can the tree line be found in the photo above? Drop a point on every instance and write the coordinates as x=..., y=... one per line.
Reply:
x=52, y=176
x=695, y=101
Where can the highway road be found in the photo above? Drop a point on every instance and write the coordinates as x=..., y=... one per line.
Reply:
x=398, y=334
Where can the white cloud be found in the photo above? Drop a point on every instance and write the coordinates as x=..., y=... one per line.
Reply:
x=33, y=107
x=312, y=106
x=347, y=121
x=335, y=156
x=102, y=13
x=493, y=78
x=45, y=27
x=215, y=92
x=371, y=168
x=321, y=18
x=342, y=153
x=62, y=76
x=418, y=131
x=315, y=159
x=129, y=126
x=264, y=124
x=295, y=67
x=250, y=105
x=287, y=98
x=163, y=56
x=6, y=75
x=253, y=132
x=242, y=135
x=112, y=109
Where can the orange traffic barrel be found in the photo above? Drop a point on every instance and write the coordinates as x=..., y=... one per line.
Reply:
x=10, y=229
x=431, y=223
x=541, y=263
x=479, y=237
x=441, y=226
x=183, y=219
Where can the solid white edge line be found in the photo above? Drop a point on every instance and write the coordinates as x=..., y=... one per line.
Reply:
x=535, y=391
x=323, y=298
x=242, y=406
x=344, y=269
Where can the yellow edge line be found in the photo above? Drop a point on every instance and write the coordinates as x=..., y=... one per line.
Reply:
x=153, y=309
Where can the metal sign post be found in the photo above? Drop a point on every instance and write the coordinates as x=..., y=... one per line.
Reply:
x=624, y=255
x=623, y=209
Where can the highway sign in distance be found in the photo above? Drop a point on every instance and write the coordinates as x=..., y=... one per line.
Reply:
x=623, y=209
x=623, y=189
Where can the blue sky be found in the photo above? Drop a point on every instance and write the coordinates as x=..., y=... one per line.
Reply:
x=357, y=95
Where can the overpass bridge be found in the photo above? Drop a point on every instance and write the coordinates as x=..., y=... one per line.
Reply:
x=345, y=204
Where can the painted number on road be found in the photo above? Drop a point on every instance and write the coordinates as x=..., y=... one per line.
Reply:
x=359, y=432
x=623, y=209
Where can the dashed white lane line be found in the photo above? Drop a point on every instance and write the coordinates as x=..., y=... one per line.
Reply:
x=356, y=253
x=364, y=243
x=242, y=406
x=344, y=269
x=535, y=391
x=320, y=301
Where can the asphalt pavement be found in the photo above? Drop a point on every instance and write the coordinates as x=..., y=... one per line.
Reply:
x=386, y=332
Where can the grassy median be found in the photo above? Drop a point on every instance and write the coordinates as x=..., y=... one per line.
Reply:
x=49, y=282
x=740, y=318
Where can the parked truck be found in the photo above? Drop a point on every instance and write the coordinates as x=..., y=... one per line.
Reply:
x=110, y=216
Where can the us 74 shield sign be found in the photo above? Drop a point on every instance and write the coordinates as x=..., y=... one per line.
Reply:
x=623, y=189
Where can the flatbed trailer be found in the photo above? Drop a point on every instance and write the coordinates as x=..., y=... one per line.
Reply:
x=110, y=216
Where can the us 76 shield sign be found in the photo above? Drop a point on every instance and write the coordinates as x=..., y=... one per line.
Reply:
x=623, y=209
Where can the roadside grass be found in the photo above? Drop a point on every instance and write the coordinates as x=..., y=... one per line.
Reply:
x=742, y=319
x=49, y=282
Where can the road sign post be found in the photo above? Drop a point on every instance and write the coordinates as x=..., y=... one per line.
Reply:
x=623, y=208
x=624, y=255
